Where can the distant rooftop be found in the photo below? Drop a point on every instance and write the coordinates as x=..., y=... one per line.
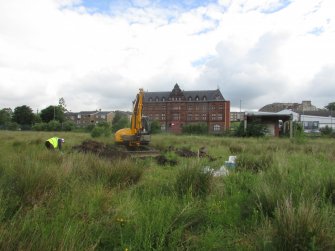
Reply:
x=206, y=95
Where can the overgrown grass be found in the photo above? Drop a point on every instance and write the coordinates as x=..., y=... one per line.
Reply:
x=280, y=196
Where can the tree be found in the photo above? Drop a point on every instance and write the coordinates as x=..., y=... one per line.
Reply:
x=5, y=116
x=62, y=105
x=330, y=106
x=155, y=127
x=23, y=115
x=120, y=121
x=52, y=113
x=254, y=129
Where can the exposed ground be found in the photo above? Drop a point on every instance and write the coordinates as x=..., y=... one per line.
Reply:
x=110, y=151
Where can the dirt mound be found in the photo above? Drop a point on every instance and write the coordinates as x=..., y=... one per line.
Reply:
x=100, y=149
x=201, y=153
x=162, y=160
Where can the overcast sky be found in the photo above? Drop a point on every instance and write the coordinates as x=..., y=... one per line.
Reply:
x=96, y=54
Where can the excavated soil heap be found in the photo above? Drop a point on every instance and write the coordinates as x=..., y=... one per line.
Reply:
x=100, y=149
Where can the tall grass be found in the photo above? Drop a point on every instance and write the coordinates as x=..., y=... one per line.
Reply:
x=280, y=196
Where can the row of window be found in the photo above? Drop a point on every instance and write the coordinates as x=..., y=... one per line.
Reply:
x=216, y=128
x=197, y=107
x=178, y=99
x=190, y=116
x=79, y=116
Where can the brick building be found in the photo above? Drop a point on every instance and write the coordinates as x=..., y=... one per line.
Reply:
x=85, y=118
x=177, y=108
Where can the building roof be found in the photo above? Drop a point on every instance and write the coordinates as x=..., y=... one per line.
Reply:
x=89, y=113
x=321, y=113
x=209, y=95
x=269, y=114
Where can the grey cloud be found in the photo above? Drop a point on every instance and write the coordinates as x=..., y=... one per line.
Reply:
x=105, y=90
x=322, y=88
x=247, y=77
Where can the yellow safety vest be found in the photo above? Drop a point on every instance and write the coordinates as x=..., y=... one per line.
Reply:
x=54, y=142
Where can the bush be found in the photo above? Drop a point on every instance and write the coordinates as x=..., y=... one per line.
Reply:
x=97, y=132
x=155, y=127
x=254, y=129
x=68, y=126
x=13, y=126
x=40, y=127
x=107, y=130
x=327, y=131
x=200, y=128
x=123, y=122
x=54, y=125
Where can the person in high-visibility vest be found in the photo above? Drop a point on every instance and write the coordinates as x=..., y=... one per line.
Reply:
x=54, y=143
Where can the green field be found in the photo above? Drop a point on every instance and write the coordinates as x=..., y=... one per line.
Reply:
x=280, y=196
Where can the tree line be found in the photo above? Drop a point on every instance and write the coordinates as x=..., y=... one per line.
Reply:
x=53, y=118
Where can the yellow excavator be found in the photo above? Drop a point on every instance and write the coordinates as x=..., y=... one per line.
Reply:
x=139, y=132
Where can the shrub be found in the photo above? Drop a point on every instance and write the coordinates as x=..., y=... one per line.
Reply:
x=54, y=125
x=254, y=129
x=40, y=127
x=89, y=128
x=68, y=126
x=194, y=181
x=13, y=126
x=97, y=132
x=327, y=131
x=155, y=127
x=199, y=128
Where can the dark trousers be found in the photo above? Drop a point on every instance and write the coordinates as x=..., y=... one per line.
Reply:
x=49, y=145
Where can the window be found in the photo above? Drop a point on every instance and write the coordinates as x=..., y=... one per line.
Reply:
x=212, y=107
x=157, y=99
x=163, y=116
x=204, y=116
x=219, y=116
x=189, y=117
x=213, y=116
x=189, y=98
x=163, y=99
x=197, y=107
x=189, y=107
x=175, y=116
x=196, y=116
x=221, y=107
x=216, y=128
x=197, y=98
x=204, y=98
x=150, y=99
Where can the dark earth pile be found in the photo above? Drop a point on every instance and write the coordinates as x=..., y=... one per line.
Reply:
x=101, y=149
x=111, y=151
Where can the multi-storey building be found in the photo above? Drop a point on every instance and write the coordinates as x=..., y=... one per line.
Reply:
x=236, y=116
x=177, y=108
x=85, y=118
